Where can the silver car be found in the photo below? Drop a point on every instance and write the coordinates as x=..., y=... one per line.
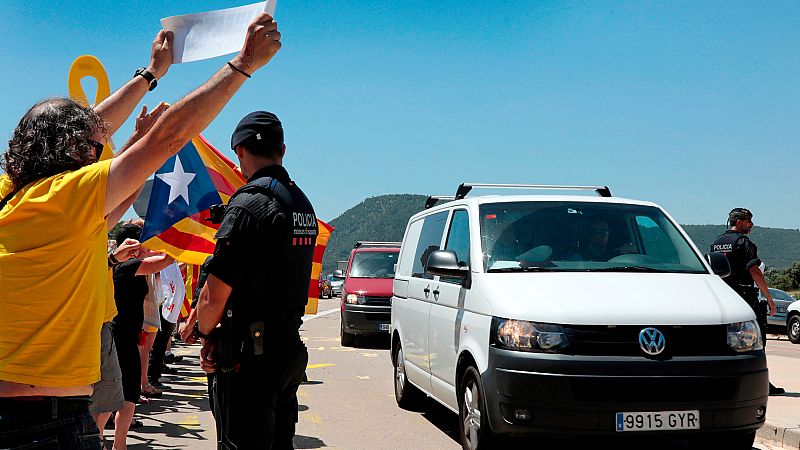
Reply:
x=782, y=301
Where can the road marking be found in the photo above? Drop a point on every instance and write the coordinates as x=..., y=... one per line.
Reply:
x=317, y=366
x=190, y=422
x=370, y=355
x=365, y=377
x=301, y=393
x=308, y=317
x=199, y=379
x=328, y=339
x=343, y=349
x=311, y=417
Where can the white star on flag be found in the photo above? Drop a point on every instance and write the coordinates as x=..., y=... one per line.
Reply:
x=178, y=181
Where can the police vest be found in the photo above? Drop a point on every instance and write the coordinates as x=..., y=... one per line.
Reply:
x=279, y=266
x=732, y=245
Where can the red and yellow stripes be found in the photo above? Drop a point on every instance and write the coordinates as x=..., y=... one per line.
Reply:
x=225, y=175
x=323, y=235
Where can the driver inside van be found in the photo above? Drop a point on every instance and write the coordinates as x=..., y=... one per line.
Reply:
x=593, y=244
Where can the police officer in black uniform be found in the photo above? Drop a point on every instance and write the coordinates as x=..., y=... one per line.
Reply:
x=742, y=254
x=251, y=307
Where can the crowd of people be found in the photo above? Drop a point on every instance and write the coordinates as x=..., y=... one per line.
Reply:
x=78, y=328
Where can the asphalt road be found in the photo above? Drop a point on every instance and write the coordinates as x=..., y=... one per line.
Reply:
x=348, y=403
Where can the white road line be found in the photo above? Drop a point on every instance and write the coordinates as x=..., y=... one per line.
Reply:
x=308, y=317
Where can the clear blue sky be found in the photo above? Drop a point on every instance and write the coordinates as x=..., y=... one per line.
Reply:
x=693, y=105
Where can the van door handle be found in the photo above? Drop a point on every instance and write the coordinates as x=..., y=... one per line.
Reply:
x=436, y=294
x=427, y=292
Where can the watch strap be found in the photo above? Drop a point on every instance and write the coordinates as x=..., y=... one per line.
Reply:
x=151, y=79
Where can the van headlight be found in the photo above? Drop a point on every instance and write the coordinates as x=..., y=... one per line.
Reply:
x=529, y=336
x=351, y=299
x=745, y=336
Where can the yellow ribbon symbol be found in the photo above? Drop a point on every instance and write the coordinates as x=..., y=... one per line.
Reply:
x=90, y=66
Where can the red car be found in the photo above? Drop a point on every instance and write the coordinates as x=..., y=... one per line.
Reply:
x=367, y=290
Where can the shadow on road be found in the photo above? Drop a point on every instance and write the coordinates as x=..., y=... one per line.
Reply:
x=308, y=442
x=379, y=342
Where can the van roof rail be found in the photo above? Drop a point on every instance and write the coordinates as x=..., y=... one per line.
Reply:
x=465, y=188
x=432, y=199
x=376, y=244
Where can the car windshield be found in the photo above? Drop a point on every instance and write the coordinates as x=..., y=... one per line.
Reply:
x=780, y=295
x=373, y=264
x=582, y=236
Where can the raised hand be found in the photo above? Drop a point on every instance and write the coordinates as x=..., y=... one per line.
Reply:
x=161, y=54
x=262, y=42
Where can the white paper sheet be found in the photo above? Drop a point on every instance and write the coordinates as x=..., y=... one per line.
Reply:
x=213, y=33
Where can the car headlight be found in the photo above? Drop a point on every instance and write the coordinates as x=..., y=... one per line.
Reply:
x=529, y=336
x=745, y=336
x=351, y=299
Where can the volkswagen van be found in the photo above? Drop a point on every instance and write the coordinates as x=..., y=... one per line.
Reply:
x=572, y=315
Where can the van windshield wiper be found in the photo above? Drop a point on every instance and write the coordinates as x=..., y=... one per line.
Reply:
x=627, y=269
x=521, y=269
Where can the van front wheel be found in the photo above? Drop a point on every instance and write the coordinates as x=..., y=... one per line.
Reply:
x=793, y=329
x=473, y=424
x=406, y=394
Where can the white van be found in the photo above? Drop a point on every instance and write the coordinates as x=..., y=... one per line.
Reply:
x=572, y=315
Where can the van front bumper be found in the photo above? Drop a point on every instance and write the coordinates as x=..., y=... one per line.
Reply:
x=363, y=319
x=566, y=394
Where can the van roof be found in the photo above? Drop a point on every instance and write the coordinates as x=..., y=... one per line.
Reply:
x=484, y=199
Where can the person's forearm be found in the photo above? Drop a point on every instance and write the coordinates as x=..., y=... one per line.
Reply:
x=116, y=109
x=213, y=298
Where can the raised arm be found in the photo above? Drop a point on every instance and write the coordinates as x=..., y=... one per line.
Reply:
x=154, y=264
x=116, y=109
x=190, y=115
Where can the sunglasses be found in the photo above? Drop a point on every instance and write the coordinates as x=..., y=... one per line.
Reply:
x=98, y=148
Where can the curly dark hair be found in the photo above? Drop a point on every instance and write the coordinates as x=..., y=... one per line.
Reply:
x=52, y=137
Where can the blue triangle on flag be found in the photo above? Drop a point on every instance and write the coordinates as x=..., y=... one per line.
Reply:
x=181, y=188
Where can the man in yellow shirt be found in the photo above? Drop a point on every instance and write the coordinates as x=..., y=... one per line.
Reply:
x=53, y=236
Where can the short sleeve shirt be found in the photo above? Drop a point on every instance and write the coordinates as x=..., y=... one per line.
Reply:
x=53, y=273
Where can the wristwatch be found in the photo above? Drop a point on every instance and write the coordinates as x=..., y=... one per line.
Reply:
x=147, y=76
x=197, y=332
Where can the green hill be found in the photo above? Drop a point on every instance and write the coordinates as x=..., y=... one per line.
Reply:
x=384, y=218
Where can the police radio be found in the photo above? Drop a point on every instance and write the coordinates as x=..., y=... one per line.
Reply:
x=216, y=213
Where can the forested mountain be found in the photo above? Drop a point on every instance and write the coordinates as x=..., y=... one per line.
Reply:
x=384, y=218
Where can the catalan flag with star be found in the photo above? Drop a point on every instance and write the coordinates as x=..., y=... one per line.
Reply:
x=177, y=221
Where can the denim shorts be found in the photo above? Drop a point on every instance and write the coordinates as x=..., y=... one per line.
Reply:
x=76, y=431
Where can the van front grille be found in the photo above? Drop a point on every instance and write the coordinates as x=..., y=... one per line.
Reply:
x=653, y=389
x=688, y=340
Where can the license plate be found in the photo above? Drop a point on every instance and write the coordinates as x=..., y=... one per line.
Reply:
x=384, y=327
x=658, y=420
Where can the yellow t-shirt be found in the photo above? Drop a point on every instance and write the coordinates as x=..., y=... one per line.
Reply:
x=53, y=279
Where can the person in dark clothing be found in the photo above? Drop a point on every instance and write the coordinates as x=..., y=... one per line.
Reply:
x=257, y=287
x=157, y=364
x=746, y=277
x=130, y=289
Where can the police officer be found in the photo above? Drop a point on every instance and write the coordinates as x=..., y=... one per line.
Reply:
x=257, y=288
x=742, y=254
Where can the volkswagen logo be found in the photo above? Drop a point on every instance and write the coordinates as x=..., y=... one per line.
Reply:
x=652, y=341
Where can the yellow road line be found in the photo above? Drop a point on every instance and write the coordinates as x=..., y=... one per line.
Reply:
x=317, y=366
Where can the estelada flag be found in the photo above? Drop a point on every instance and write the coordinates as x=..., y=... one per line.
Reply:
x=184, y=189
x=323, y=234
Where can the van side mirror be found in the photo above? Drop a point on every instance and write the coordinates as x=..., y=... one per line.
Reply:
x=445, y=263
x=338, y=273
x=719, y=264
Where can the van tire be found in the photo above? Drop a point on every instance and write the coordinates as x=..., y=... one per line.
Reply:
x=348, y=340
x=739, y=441
x=793, y=329
x=406, y=394
x=473, y=434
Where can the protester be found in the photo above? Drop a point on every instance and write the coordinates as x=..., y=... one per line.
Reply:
x=130, y=290
x=259, y=278
x=742, y=254
x=55, y=186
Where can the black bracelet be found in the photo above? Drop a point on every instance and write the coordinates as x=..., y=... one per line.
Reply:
x=112, y=261
x=238, y=70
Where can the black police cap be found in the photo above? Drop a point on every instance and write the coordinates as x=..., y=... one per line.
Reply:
x=263, y=127
x=739, y=214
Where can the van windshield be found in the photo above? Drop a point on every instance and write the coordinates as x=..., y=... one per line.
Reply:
x=373, y=265
x=582, y=236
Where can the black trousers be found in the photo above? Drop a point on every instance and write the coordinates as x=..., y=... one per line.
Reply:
x=257, y=405
x=156, y=366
